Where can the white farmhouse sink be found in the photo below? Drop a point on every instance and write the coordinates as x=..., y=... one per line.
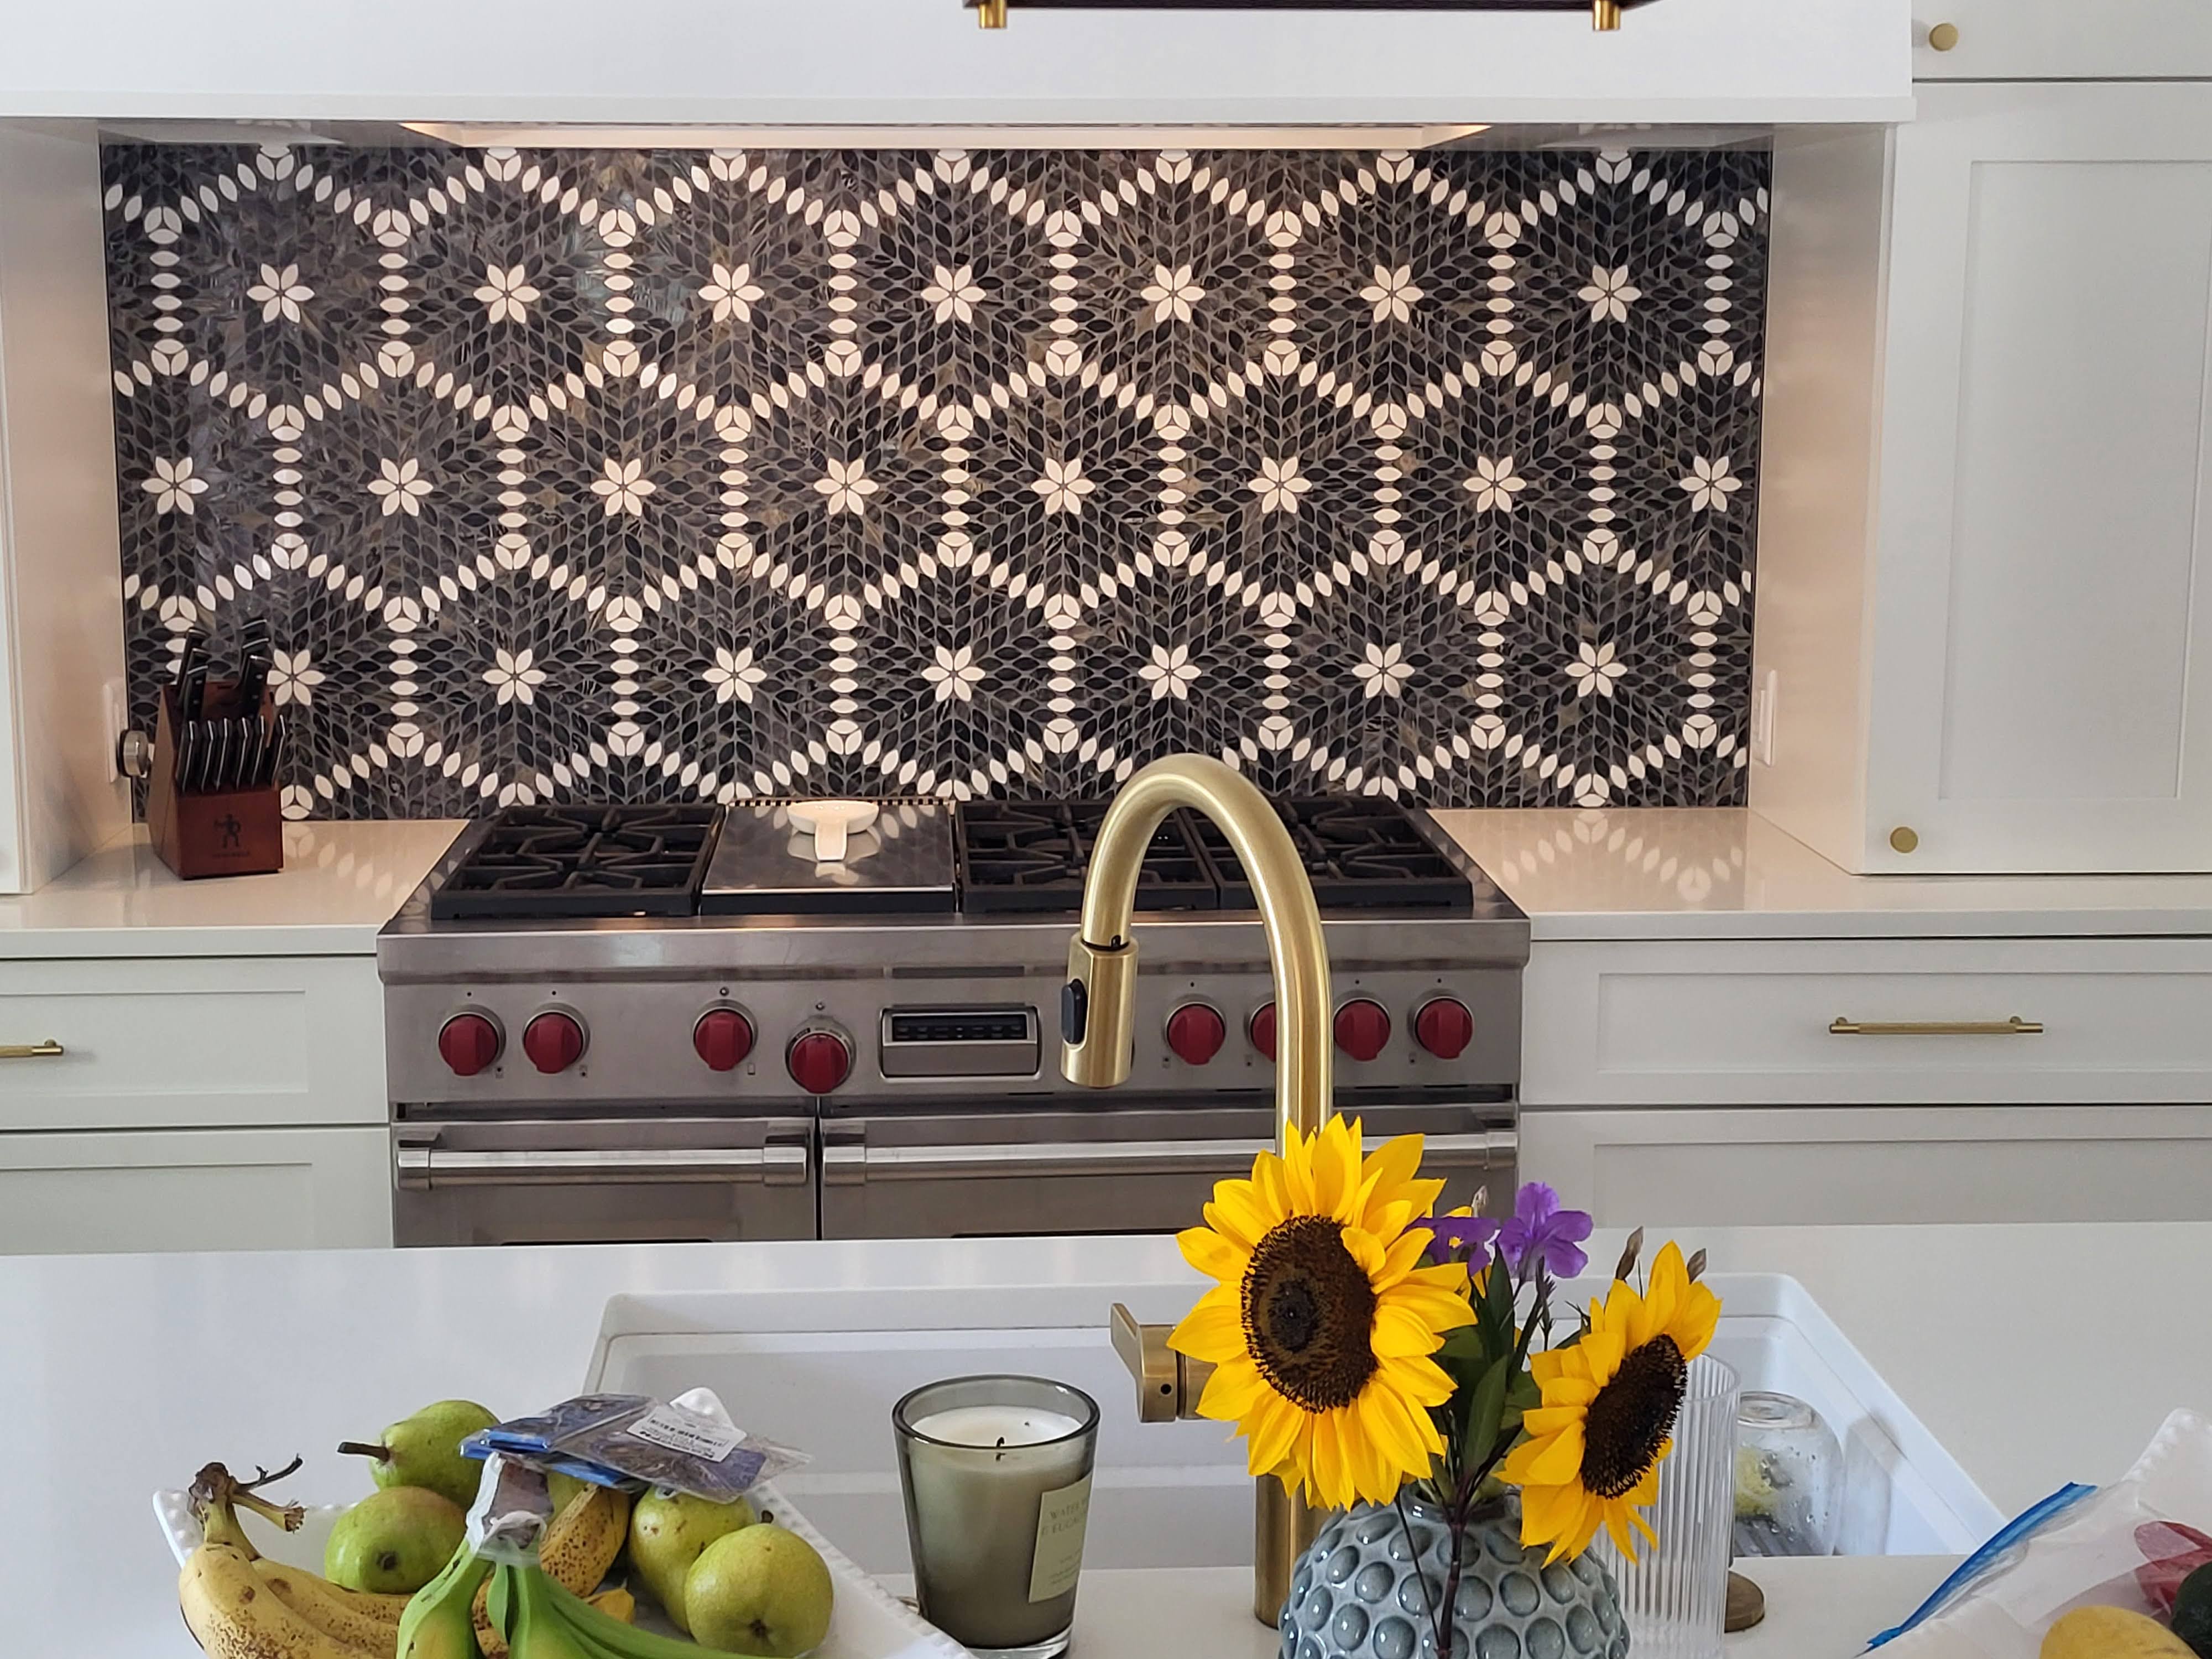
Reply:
x=821, y=1369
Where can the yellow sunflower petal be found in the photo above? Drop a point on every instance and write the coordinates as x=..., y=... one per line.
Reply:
x=1670, y=1282
x=1212, y=1331
x=1421, y=1381
x=1273, y=1429
x=1298, y=1173
x=1233, y=1391
x=1560, y=1459
x=1366, y=1250
x=1548, y=1419
x=1400, y=1333
x=1601, y=1354
x=1515, y=1469
x=1336, y=1170
x=1390, y=1430
x=1693, y=1323
x=1405, y=1249
x=1441, y=1310
x=1213, y=1254
x=1239, y=1214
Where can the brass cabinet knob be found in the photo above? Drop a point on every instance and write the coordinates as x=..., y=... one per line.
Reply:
x=1904, y=838
x=1605, y=15
x=990, y=14
x=1943, y=36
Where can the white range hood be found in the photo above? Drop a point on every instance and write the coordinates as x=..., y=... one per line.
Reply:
x=904, y=70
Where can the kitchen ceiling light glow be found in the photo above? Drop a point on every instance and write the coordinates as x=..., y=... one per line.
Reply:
x=1604, y=14
x=487, y=135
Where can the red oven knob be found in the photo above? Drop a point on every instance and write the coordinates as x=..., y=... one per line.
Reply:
x=1195, y=1033
x=1362, y=1028
x=819, y=1061
x=468, y=1043
x=1262, y=1030
x=1443, y=1027
x=553, y=1042
x=723, y=1037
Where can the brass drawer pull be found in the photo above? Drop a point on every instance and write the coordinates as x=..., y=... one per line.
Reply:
x=49, y=1050
x=2014, y=1027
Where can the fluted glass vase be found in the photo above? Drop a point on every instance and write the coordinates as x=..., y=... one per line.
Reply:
x=1675, y=1595
x=1371, y=1586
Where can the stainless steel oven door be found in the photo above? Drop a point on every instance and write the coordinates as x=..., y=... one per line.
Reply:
x=602, y=1180
x=1146, y=1170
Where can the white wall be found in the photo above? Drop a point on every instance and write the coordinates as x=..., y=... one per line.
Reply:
x=909, y=60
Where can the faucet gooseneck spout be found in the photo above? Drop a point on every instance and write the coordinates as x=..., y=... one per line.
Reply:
x=1098, y=1024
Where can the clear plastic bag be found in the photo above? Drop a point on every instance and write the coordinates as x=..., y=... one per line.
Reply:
x=685, y=1444
x=2081, y=1546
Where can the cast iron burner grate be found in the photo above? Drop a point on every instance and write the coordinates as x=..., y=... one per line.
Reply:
x=560, y=861
x=1032, y=856
x=1361, y=853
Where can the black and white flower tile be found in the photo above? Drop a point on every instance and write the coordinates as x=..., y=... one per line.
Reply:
x=656, y=475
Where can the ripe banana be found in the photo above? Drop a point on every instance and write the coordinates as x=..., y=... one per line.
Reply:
x=366, y=1621
x=580, y=1544
x=616, y=1603
x=436, y=1625
x=232, y=1615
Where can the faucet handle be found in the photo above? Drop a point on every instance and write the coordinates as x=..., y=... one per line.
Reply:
x=1168, y=1384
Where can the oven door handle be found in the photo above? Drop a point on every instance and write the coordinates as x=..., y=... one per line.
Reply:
x=418, y=1168
x=850, y=1162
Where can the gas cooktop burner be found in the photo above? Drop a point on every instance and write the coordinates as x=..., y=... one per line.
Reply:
x=564, y=861
x=1360, y=854
x=1033, y=856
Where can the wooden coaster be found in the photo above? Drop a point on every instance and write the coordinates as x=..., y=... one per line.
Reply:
x=1747, y=1604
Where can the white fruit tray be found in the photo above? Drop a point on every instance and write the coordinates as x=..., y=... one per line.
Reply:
x=869, y=1622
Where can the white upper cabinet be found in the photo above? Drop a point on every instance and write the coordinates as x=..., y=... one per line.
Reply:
x=2060, y=39
x=2000, y=656
x=903, y=61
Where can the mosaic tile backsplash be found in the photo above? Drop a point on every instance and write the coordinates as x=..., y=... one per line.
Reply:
x=672, y=476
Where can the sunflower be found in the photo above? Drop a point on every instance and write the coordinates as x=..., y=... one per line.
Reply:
x=1322, y=1326
x=1609, y=1402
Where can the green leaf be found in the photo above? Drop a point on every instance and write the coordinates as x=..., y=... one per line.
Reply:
x=1484, y=1409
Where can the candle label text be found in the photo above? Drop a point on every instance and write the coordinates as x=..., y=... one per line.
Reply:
x=1058, y=1559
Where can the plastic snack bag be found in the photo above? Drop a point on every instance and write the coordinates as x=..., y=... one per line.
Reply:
x=2116, y=1546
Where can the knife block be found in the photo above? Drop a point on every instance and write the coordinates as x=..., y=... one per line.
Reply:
x=230, y=832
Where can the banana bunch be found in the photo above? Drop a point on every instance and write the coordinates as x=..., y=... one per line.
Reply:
x=580, y=1545
x=239, y=1606
x=540, y=1618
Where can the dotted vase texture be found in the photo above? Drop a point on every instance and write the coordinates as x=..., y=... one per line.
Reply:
x=1359, y=1594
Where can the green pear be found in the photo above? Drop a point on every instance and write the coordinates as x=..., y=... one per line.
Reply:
x=762, y=1591
x=393, y=1541
x=668, y=1532
x=425, y=1450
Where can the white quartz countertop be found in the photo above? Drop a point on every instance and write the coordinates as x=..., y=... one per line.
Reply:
x=1667, y=873
x=2036, y=1354
x=340, y=883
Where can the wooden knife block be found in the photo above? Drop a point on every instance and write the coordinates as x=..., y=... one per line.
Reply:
x=232, y=832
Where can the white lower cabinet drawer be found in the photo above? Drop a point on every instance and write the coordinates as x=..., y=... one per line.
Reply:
x=203, y=1190
x=1820, y=1166
x=190, y=1042
x=1895, y=1021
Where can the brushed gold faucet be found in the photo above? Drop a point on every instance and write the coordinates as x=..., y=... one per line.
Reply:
x=1099, y=1025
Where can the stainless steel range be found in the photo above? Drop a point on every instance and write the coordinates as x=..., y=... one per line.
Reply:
x=677, y=1023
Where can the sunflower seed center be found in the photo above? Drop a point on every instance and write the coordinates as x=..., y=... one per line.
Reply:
x=1310, y=1315
x=1632, y=1417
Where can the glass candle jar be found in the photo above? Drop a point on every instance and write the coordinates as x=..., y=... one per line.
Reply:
x=996, y=1471
x=1789, y=1478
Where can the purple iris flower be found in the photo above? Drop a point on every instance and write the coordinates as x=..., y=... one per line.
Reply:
x=1472, y=1233
x=1541, y=1232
